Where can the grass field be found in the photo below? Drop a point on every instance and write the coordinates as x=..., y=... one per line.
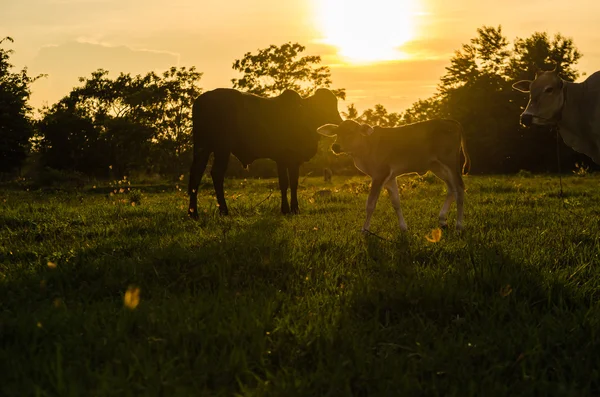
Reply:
x=263, y=304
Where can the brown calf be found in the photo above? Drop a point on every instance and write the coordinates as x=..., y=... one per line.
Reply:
x=385, y=153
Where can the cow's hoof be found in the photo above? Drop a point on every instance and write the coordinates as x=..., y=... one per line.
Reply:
x=224, y=212
x=285, y=210
x=295, y=211
x=444, y=226
x=193, y=214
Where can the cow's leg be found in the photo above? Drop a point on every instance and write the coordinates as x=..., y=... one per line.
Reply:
x=392, y=188
x=294, y=173
x=196, y=172
x=376, y=184
x=218, y=176
x=282, y=173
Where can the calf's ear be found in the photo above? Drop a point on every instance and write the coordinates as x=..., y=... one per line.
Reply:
x=522, y=86
x=327, y=129
x=366, y=129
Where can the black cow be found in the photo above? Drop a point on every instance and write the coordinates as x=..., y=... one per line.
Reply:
x=283, y=128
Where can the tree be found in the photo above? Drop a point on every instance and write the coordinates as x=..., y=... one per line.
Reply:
x=377, y=116
x=15, y=113
x=71, y=140
x=178, y=88
x=423, y=109
x=539, y=52
x=137, y=123
x=276, y=69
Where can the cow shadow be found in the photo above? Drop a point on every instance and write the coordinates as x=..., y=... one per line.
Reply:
x=235, y=270
x=136, y=255
x=460, y=309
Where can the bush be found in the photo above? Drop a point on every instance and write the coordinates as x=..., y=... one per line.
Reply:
x=50, y=177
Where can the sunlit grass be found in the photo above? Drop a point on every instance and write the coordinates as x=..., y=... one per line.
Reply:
x=99, y=297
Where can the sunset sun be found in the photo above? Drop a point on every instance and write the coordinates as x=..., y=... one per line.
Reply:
x=367, y=31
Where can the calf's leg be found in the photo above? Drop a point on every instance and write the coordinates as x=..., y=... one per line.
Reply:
x=447, y=203
x=218, y=175
x=284, y=182
x=392, y=188
x=445, y=174
x=376, y=184
x=196, y=171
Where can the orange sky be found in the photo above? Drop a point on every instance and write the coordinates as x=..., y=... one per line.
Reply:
x=70, y=38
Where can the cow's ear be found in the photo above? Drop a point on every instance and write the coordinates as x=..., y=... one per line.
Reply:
x=366, y=129
x=522, y=86
x=327, y=129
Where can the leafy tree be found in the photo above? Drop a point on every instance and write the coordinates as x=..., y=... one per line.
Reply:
x=15, y=113
x=423, y=109
x=377, y=116
x=138, y=123
x=538, y=51
x=276, y=69
x=380, y=116
x=351, y=112
x=178, y=88
x=71, y=140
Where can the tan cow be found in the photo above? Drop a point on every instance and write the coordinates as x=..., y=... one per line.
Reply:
x=385, y=153
x=574, y=107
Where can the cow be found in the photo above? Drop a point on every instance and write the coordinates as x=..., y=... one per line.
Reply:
x=385, y=153
x=573, y=107
x=282, y=128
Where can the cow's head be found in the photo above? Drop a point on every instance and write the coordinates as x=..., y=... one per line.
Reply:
x=321, y=108
x=546, y=98
x=350, y=136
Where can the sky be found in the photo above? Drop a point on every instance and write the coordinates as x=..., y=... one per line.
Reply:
x=391, y=52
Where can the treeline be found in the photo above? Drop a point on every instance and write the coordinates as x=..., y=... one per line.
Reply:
x=122, y=125
x=128, y=125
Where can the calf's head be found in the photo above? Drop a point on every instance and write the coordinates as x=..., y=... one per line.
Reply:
x=350, y=135
x=546, y=98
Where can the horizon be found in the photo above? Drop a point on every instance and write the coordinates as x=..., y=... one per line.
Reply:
x=68, y=39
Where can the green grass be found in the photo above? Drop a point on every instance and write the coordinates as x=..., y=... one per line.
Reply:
x=263, y=304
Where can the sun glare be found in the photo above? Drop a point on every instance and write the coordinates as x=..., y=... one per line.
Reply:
x=367, y=31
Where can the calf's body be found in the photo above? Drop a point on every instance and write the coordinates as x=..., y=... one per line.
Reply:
x=385, y=153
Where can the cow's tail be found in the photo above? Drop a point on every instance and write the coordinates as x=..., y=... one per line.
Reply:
x=463, y=146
